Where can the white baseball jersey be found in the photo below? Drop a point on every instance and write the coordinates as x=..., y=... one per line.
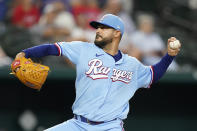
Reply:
x=103, y=86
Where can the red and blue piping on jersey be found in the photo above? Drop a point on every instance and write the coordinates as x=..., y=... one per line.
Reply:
x=159, y=69
x=152, y=76
x=59, y=49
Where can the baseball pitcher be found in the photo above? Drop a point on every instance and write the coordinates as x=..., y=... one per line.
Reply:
x=106, y=78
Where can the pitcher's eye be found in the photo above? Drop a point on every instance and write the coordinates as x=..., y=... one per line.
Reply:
x=104, y=27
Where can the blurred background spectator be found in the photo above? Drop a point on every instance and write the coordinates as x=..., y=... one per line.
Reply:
x=25, y=14
x=149, y=43
x=117, y=7
x=55, y=23
x=88, y=8
x=84, y=11
x=65, y=2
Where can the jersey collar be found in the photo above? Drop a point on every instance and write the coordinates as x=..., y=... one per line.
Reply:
x=119, y=56
x=120, y=61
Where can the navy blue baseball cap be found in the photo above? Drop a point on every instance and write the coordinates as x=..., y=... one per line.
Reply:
x=110, y=20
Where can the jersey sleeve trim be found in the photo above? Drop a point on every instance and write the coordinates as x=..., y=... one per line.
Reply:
x=152, y=76
x=59, y=49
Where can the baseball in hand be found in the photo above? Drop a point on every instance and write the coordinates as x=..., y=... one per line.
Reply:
x=175, y=44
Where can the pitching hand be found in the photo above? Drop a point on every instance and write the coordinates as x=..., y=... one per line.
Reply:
x=173, y=51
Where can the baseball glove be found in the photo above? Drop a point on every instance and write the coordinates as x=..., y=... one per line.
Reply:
x=29, y=73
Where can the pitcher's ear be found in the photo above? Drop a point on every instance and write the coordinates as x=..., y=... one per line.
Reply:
x=117, y=33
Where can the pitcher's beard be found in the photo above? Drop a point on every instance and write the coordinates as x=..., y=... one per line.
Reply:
x=101, y=44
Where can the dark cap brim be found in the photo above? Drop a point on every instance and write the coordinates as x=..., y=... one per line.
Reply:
x=95, y=24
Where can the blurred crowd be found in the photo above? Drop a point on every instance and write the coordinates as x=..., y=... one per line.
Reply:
x=25, y=23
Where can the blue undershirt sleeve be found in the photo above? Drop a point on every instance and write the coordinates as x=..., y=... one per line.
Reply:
x=41, y=50
x=160, y=68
